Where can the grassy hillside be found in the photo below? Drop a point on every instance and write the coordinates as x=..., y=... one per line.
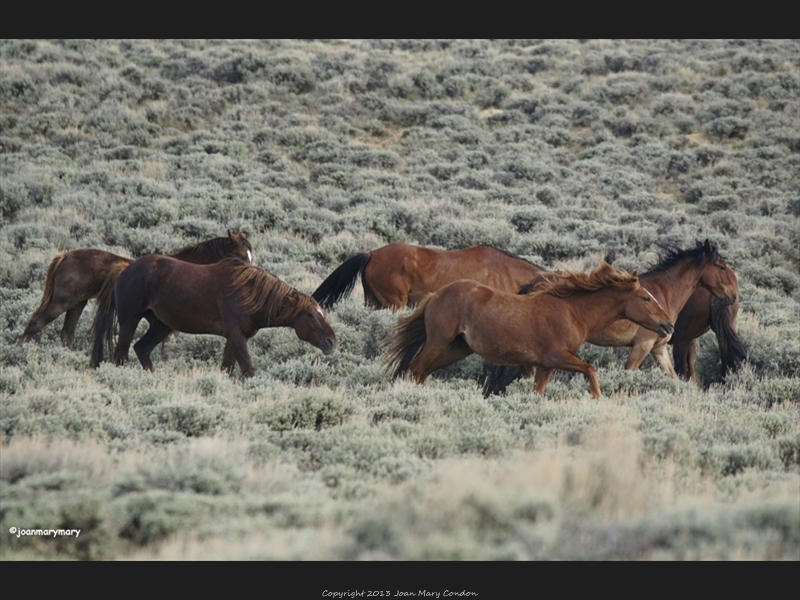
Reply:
x=559, y=151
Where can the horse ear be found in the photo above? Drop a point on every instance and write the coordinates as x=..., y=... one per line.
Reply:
x=708, y=246
x=231, y=237
x=635, y=273
x=697, y=243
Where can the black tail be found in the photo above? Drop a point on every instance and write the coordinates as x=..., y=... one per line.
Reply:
x=496, y=378
x=105, y=317
x=732, y=351
x=340, y=283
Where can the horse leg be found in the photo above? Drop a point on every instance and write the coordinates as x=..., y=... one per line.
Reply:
x=680, y=358
x=661, y=355
x=435, y=354
x=456, y=351
x=127, y=329
x=541, y=377
x=238, y=344
x=70, y=323
x=157, y=333
x=39, y=319
x=639, y=351
x=228, y=358
x=569, y=362
x=164, y=353
x=691, y=355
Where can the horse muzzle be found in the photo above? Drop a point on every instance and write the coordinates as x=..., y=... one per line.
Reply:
x=665, y=329
x=328, y=345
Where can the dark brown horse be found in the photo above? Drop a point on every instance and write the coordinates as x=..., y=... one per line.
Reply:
x=673, y=280
x=701, y=313
x=229, y=298
x=542, y=330
x=75, y=277
x=400, y=275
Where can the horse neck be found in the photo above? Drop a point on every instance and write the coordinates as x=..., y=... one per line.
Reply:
x=204, y=253
x=597, y=309
x=673, y=286
x=265, y=317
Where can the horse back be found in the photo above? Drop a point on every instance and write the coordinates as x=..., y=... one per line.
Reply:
x=403, y=273
x=82, y=272
x=472, y=302
x=485, y=264
x=186, y=297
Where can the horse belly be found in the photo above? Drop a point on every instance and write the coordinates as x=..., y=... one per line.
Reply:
x=619, y=333
x=488, y=333
x=188, y=317
x=502, y=350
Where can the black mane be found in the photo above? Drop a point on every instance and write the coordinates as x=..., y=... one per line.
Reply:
x=672, y=255
x=220, y=243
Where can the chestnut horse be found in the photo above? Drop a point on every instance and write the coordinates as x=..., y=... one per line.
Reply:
x=75, y=277
x=677, y=275
x=400, y=275
x=229, y=298
x=542, y=330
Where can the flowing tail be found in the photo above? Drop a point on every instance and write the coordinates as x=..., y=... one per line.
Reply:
x=732, y=350
x=47, y=296
x=408, y=338
x=340, y=283
x=105, y=317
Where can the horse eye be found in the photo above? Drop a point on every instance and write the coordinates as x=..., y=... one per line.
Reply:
x=646, y=299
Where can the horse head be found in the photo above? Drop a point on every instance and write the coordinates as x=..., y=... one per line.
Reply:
x=643, y=309
x=311, y=325
x=241, y=246
x=717, y=277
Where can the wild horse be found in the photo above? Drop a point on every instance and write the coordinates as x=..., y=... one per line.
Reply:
x=400, y=275
x=703, y=312
x=542, y=330
x=229, y=298
x=676, y=276
x=75, y=277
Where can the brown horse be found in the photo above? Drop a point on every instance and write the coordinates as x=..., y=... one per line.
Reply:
x=229, y=298
x=701, y=313
x=542, y=330
x=673, y=280
x=75, y=277
x=400, y=275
